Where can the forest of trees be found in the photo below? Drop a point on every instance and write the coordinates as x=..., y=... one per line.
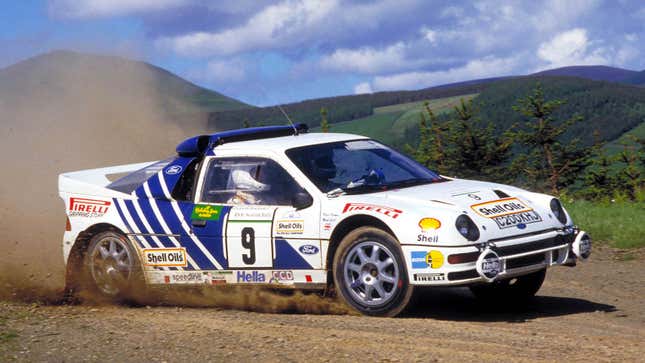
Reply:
x=540, y=151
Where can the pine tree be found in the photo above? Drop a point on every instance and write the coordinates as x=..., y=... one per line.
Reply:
x=476, y=149
x=324, y=124
x=246, y=124
x=431, y=148
x=547, y=161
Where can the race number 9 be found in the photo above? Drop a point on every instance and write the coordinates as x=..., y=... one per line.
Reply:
x=248, y=242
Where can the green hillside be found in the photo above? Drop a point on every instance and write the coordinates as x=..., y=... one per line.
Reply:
x=611, y=109
x=393, y=124
x=341, y=108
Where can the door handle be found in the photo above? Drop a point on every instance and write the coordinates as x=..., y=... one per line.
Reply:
x=198, y=223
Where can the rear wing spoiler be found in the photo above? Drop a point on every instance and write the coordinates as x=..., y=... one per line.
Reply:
x=95, y=181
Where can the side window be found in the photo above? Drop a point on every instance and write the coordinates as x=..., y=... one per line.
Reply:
x=184, y=188
x=254, y=181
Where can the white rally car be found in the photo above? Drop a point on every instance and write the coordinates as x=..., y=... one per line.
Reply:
x=277, y=205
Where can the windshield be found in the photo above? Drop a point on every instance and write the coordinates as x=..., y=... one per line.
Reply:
x=358, y=166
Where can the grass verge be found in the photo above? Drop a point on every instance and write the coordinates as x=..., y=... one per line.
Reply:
x=619, y=224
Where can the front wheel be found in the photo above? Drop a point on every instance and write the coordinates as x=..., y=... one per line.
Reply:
x=112, y=268
x=370, y=273
x=517, y=289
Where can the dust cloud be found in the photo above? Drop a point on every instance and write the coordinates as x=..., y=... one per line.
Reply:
x=64, y=112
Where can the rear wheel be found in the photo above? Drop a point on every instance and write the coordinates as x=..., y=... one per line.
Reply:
x=112, y=268
x=370, y=273
x=516, y=289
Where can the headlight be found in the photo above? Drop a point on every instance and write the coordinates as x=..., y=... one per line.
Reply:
x=467, y=227
x=558, y=211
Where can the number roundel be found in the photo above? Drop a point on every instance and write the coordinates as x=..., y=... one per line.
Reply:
x=248, y=242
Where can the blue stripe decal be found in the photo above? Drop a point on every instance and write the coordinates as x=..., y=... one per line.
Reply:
x=288, y=258
x=125, y=221
x=155, y=189
x=140, y=193
x=137, y=220
x=146, y=208
x=173, y=223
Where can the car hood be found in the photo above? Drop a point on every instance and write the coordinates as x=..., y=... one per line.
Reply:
x=491, y=206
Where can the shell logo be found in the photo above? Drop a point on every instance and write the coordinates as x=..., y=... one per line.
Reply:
x=429, y=224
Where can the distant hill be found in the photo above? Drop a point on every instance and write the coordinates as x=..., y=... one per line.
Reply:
x=636, y=79
x=340, y=108
x=596, y=73
x=175, y=93
x=610, y=108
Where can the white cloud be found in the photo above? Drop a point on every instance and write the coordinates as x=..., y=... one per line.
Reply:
x=369, y=60
x=363, y=87
x=225, y=71
x=274, y=26
x=429, y=34
x=478, y=68
x=570, y=48
x=104, y=8
x=553, y=14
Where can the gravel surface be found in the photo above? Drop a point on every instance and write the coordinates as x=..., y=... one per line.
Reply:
x=594, y=312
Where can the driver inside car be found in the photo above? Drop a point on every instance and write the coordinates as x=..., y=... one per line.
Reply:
x=246, y=188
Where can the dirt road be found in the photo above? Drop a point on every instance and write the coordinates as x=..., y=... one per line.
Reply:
x=595, y=312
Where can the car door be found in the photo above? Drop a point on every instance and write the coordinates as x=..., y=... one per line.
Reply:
x=244, y=193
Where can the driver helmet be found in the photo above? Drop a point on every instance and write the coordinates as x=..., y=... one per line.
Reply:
x=242, y=180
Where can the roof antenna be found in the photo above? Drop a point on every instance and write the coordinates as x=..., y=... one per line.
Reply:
x=295, y=129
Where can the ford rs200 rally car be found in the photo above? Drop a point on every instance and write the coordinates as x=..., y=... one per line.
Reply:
x=279, y=206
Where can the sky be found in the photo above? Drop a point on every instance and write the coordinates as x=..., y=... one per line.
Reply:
x=270, y=52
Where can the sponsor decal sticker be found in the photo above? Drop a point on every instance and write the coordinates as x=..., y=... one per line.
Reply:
x=186, y=277
x=84, y=207
x=507, y=212
x=251, y=213
x=214, y=278
x=423, y=259
x=429, y=277
x=308, y=249
x=422, y=237
x=168, y=257
x=290, y=226
x=489, y=265
x=429, y=224
x=174, y=169
x=428, y=227
x=282, y=275
x=206, y=212
x=251, y=276
x=390, y=212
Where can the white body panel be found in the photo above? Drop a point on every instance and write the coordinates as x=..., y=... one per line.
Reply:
x=300, y=239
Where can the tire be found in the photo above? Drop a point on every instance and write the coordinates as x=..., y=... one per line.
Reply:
x=111, y=267
x=370, y=274
x=517, y=289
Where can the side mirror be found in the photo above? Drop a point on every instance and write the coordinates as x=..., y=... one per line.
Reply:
x=302, y=200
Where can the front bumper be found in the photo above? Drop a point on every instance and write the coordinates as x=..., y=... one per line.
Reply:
x=518, y=255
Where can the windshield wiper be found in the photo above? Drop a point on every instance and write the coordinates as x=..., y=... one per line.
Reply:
x=360, y=188
x=409, y=183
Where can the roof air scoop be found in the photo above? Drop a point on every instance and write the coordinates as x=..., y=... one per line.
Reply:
x=194, y=146
x=199, y=145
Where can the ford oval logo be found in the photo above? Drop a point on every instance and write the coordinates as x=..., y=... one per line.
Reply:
x=521, y=226
x=308, y=249
x=175, y=169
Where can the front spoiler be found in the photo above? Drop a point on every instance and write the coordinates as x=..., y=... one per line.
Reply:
x=516, y=257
